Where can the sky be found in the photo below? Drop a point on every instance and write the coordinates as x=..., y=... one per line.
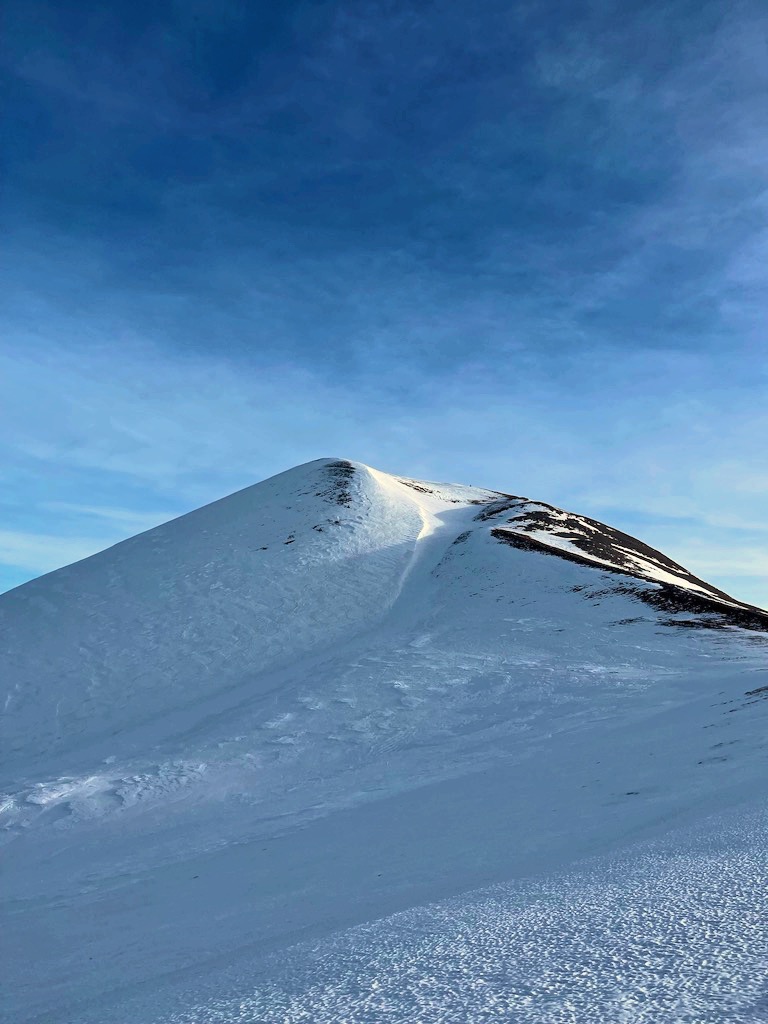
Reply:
x=518, y=245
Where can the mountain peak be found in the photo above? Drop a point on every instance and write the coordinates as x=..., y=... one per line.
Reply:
x=305, y=560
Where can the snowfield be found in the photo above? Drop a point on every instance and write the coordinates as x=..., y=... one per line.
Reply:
x=661, y=935
x=352, y=747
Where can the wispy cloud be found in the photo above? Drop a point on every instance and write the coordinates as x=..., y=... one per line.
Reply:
x=515, y=245
x=40, y=552
x=114, y=518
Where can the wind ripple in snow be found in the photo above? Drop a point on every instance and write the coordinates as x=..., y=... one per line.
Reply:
x=673, y=935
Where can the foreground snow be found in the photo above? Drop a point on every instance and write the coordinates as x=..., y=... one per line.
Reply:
x=674, y=931
x=341, y=695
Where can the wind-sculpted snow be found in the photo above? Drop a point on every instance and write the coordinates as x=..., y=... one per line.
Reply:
x=336, y=696
x=674, y=933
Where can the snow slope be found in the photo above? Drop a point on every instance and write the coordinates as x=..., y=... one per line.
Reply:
x=339, y=695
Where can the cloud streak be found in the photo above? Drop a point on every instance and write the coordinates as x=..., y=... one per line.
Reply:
x=39, y=552
x=519, y=245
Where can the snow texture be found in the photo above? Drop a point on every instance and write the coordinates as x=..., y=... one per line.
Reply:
x=262, y=763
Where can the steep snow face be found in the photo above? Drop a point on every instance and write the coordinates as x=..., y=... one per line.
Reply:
x=334, y=696
x=203, y=604
x=200, y=605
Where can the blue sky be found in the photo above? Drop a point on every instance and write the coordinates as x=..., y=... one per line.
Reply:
x=518, y=245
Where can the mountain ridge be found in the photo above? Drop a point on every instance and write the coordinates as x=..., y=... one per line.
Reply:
x=539, y=525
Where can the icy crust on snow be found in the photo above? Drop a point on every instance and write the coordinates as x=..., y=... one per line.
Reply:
x=673, y=932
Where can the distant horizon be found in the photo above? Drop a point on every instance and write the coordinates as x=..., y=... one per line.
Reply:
x=521, y=245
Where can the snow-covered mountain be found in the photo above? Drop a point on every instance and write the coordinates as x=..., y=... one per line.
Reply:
x=339, y=695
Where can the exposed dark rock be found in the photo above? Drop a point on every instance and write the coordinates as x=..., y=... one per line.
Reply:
x=497, y=508
x=713, y=612
x=339, y=473
x=416, y=487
